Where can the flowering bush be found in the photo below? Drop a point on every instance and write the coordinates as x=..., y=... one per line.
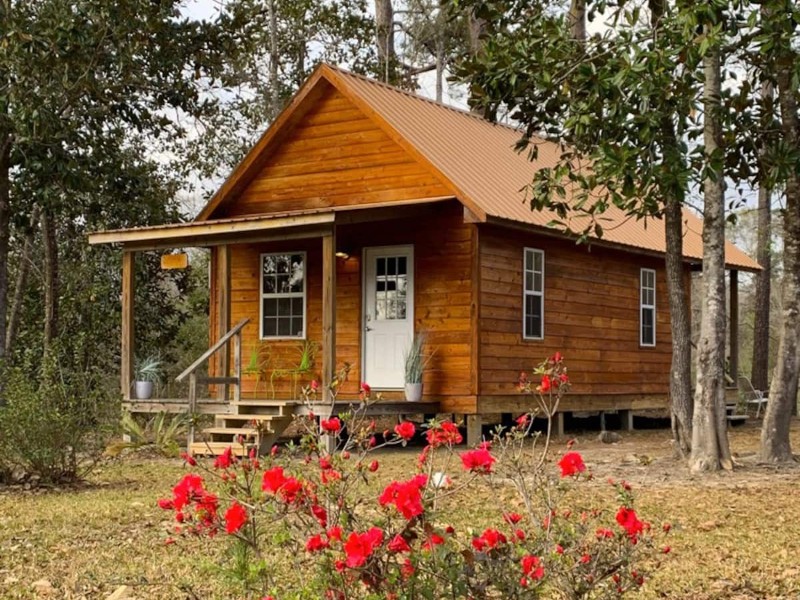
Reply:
x=323, y=517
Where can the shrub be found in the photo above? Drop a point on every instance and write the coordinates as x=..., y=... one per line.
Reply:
x=315, y=510
x=57, y=430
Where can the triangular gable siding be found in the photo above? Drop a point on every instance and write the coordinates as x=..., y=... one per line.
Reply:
x=336, y=156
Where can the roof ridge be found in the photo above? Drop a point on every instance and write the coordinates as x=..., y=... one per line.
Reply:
x=450, y=107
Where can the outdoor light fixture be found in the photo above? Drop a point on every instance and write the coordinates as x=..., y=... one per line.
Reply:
x=342, y=254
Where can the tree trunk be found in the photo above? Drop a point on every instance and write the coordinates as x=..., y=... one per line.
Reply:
x=760, y=369
x=775, y=442
x=5, y=237
x=274, y=58
x=440, y=45
x=50, y=280
x=384, y=39
x=15, y=310
x=577, y=19
x=710, y=449
x=680, y=381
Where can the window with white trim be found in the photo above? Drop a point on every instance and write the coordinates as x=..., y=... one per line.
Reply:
x=283, y=295
x=533, y=295
x=647, y=307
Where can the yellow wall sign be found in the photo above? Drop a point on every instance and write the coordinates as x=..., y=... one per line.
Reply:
x=174, y=261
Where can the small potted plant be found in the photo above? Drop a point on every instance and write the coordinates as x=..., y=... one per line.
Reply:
x=415, y=363
x=146, y=373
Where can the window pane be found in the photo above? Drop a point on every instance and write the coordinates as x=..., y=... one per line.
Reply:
x=537, y=282
x=648, y=326
x=284, y=326
x=296, y=274
x=537, y=261
x=270, y=307
x=297, y=326
x=380, y=267
x=297, y=307
x=284, y=307
x=402, y=268
x=533, y=316
x=528, y=281
x=268, y=266
x=270, y=327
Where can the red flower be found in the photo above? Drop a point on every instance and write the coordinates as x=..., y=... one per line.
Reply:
x=512, y=518
x=446, y=434
x=407, y=569
x=571, y=464
x=360, y=546
x=666, y=550
x=628, y=520
x=273, y=480
x=564, y=378
x=559, y=549
x=276, y=483
x=365, y=389
x=557, y=357
x=532, y=566
x=166, y=504
x=334, y=533
x=325, y=462
x=519, y=534
x=478, y=461
x=585, y=559
x=330, y=475
x=604, y=533
x=489, y=539
x=546, y=384
x=434, y=539
x=405, y=430
x=315, y=543
x=332, y=425
x=314, y=385
x=187, y=490
x=405, y=495
x=398, y=544
x=189, y=459
x=373, y=466
x=320, y=514
x=235, y=517
x=224, y=460
x=522, y=421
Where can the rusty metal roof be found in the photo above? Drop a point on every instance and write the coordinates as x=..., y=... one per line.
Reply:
x=477, y=159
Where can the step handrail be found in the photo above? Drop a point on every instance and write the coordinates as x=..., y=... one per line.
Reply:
x=207, y=354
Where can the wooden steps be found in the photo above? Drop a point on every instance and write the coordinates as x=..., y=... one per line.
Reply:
x=261, y=422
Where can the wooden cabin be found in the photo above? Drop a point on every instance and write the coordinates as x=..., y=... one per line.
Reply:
x=366, y=215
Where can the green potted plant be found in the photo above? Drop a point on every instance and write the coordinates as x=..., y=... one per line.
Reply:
x=415, y=362
x=147, y=372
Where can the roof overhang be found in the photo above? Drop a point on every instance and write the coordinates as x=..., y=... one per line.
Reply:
x=262, y=228
x=694, y=261
x=218, y=232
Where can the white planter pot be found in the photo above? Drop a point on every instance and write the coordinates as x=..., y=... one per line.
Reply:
x=413, y=392
x=144, y=389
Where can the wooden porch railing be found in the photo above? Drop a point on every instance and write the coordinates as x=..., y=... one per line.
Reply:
x=225, y=380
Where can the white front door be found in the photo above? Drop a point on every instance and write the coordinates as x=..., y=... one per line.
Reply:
x=388, y=317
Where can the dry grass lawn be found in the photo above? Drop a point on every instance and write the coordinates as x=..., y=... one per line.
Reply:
x=736, y=535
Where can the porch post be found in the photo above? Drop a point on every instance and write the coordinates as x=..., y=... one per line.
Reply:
x=328, y=313
x=223, y=313
x=127, y=348
x=734, y=326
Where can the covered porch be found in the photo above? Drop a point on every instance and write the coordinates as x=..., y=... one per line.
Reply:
x=222, y=382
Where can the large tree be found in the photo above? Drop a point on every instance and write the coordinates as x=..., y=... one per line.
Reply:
x=606, y=99
x=778, y=61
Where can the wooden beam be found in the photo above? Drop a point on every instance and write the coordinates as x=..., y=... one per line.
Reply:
x=475, y=312
x=223, y=300
x=176, y=234
x=733, y=360
x=328, y=313
x=127, y=348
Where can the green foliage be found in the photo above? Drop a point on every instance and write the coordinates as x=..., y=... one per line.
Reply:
x=56, y=431
x=148, y=369
x=415, y=360
x=161, y=433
